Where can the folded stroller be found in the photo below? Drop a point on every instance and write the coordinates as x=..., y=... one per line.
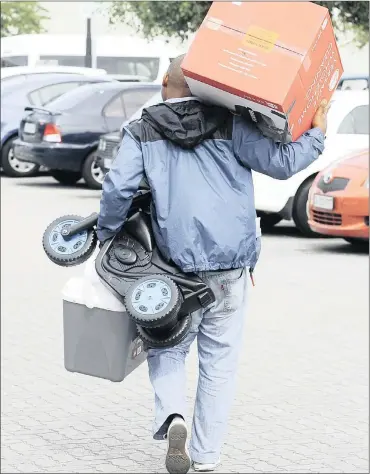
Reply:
x=153, y=298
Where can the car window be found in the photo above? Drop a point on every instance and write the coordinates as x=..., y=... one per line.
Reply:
x=354, y=84
x=356, y=122
x=154, y=100
x=12, y=61
x=115, y=107
x=133, y=100
x=145, y=67
x=48, y=93
x=85, y=100
x=56, y=60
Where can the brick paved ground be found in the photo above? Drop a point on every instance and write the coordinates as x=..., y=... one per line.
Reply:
x=302, y=401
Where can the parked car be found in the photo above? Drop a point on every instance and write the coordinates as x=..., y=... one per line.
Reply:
x=348, y=130
x=37, y=91
x=339, y=200
x=109, y=142
x=107, y=150
x=354, y=82
x=128, y=55
x=64, y=135
x=7, y=73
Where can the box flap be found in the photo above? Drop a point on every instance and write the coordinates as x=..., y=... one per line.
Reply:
x=289, y=25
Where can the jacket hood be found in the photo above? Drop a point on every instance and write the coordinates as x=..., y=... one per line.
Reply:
x=186, y=123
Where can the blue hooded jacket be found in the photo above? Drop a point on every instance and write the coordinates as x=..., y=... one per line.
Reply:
x=197, y=160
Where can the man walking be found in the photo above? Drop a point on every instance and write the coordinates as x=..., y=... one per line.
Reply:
x=197, y=159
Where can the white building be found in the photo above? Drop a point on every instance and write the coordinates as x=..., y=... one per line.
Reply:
x=69, y=18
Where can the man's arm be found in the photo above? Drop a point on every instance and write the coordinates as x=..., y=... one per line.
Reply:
x=276, y=160
x=119, y=186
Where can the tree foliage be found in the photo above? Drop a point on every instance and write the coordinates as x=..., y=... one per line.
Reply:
x=179, y=19
x=21, y=18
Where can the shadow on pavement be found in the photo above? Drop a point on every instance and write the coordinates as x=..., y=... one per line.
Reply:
x=56, y=185
x=283, y=230
x=344, y=249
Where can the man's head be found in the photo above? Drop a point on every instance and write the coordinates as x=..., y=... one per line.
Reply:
x=174, y=85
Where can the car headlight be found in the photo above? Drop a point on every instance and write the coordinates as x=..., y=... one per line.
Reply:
x=366, y=183
x=102, y=145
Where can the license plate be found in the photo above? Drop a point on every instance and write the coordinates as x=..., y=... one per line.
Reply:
x=323, y=202
x=29, y=128
x=107, y=163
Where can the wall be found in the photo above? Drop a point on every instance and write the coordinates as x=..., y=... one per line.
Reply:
x=70, y=18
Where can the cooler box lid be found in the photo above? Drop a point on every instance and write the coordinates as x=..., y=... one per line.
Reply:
x=89, y=290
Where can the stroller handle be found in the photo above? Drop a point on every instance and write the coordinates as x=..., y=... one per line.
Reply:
x=88, y=223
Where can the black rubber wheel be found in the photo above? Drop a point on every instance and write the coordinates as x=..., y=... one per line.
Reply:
x=153, y=301
x=68, y=178
x=170, y=339
x=68, y=252
x=300, y=216
x=14, y=168
x=268, y=221
x=92, y=172
x=358, y=243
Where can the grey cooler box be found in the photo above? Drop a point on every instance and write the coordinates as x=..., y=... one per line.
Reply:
x=99, y=337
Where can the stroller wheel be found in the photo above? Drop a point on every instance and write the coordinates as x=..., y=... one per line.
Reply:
x=153, y=301
x=152, y=339
x=68, y=251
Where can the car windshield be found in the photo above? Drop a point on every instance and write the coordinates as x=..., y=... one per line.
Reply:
x=77, y=97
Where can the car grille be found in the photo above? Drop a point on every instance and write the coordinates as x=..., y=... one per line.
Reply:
x=110, y=149
x=327, y=218
x=338, y=184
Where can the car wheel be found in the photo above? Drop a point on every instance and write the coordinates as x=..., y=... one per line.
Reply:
x=68, y=252
x=13, y=167
x=300, y=216
x=358, y=243
x=92, y=172
x=268, y=221
x=154, y=339
x=68, y=178
x=153, y=301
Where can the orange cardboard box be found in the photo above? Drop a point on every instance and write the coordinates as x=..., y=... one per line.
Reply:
x=271, y=61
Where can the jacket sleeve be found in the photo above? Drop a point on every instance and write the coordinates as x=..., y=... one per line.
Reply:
x=276, y=160
x=119, y=186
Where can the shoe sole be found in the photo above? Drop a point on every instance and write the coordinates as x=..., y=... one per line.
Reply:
x=205, y=469
x=212, y=469
x=177, y=459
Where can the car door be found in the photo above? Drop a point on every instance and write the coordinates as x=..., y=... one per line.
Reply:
x=114, y=113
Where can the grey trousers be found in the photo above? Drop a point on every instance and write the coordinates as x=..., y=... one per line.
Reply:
x=219, y=332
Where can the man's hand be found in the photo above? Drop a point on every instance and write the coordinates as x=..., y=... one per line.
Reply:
x=320, y=118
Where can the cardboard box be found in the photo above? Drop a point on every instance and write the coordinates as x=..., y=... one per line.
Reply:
x=271, y=61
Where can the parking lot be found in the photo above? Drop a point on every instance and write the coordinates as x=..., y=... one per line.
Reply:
x=302, y=400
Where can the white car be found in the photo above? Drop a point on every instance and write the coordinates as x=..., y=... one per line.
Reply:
x=348, y=130
x=9, y=72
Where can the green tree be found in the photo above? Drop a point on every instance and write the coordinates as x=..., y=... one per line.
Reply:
x=21, y=18
x=179, y=19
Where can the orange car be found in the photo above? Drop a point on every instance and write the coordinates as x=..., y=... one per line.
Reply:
x=338, y=202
